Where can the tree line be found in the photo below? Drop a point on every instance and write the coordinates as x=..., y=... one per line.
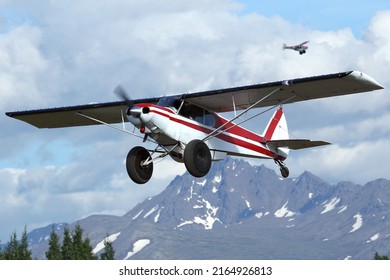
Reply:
x=73, y=247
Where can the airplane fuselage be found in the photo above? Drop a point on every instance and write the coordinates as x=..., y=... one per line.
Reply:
x=173, y=130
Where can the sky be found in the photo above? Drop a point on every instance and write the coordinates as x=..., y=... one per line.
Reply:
x=56, y=53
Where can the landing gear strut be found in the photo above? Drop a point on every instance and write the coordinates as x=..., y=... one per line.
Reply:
x=283, y=168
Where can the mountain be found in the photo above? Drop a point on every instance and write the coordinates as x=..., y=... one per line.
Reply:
x=240, y=211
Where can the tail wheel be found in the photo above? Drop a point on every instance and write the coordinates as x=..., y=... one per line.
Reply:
x=197, y=158
x=284, y=171
x=283, y=168
x=138, y=172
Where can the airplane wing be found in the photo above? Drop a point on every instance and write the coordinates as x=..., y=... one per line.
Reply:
x=110, y=112
x=304, y=43
x=295, y=90
x=222, y=100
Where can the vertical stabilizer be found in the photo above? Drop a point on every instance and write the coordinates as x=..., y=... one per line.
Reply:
x=277, y=127
x=277, y=131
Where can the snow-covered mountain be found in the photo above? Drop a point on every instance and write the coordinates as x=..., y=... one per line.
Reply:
x=239, y=211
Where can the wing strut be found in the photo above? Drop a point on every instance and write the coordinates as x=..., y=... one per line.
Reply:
x=234, y=106
x=215, y=131
x=262, y=112
x=219, y=130
x=112, y=126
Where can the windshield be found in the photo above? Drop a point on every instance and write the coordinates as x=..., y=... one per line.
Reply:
x=169, y=101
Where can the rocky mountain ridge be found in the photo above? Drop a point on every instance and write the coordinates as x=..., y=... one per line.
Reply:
x=239, y=211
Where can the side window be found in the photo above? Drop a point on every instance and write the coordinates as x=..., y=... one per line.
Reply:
x=197, y=114
x=208, y=118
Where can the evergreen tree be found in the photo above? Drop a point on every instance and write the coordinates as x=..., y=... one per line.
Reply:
x=82, y=248
x=54, y=251
x=24, y=252
x=77, y=243
x=109, y=252
x=67, y=247
x=1, y=252
x=74, y=247
x=88, y=250
x=379, y=257
x=12, y=248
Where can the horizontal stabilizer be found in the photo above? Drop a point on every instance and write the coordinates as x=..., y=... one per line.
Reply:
x=296, y=144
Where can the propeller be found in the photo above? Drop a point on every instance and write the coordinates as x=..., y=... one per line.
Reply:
x=135, y=111
x=122, y=94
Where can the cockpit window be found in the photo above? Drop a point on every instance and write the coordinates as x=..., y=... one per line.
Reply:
x=197, y=114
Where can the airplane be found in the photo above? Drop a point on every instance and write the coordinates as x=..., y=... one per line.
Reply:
x=301, y=48
x=190, y=128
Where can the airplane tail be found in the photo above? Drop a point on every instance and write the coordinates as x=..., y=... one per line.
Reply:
x=277, y=131
x=284, y=46
x=276, y=136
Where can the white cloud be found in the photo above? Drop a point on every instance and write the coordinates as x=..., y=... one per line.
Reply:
x=67, y=54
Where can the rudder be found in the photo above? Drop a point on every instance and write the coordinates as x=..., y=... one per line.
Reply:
x=277, y=127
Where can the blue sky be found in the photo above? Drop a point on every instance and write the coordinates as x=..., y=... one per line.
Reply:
x=321, y=15
x=53, y=53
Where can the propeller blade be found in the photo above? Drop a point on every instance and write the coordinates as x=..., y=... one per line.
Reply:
x=121, y=92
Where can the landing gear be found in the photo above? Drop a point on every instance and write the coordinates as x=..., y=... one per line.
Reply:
x=197, y=158
x=283, y=168
x=138, y=168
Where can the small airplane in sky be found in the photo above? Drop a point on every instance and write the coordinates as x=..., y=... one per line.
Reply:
x=301, y=48
x=189, y=129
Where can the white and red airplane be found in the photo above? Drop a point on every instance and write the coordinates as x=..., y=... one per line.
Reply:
x=188, y=128
x=301, y=48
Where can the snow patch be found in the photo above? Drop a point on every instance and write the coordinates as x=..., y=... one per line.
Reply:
x=136, y=216
x=110, y=238
x=191, y=192
x=151, y=211
x=185, y=223
x=207, y=220
x=217, y=179
x=261, y=214
x=311, y=195
x=331, y=205
x=203, y=183
x=284, y=212
x=358, y=223
x=342, y=209
x=157, y=217
x=373, y=238
x=138, y=246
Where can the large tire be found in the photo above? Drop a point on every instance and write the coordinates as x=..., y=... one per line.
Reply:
x=197, y=158
x=137, y=172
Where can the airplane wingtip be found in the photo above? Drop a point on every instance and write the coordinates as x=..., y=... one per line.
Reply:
x=366, y=79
